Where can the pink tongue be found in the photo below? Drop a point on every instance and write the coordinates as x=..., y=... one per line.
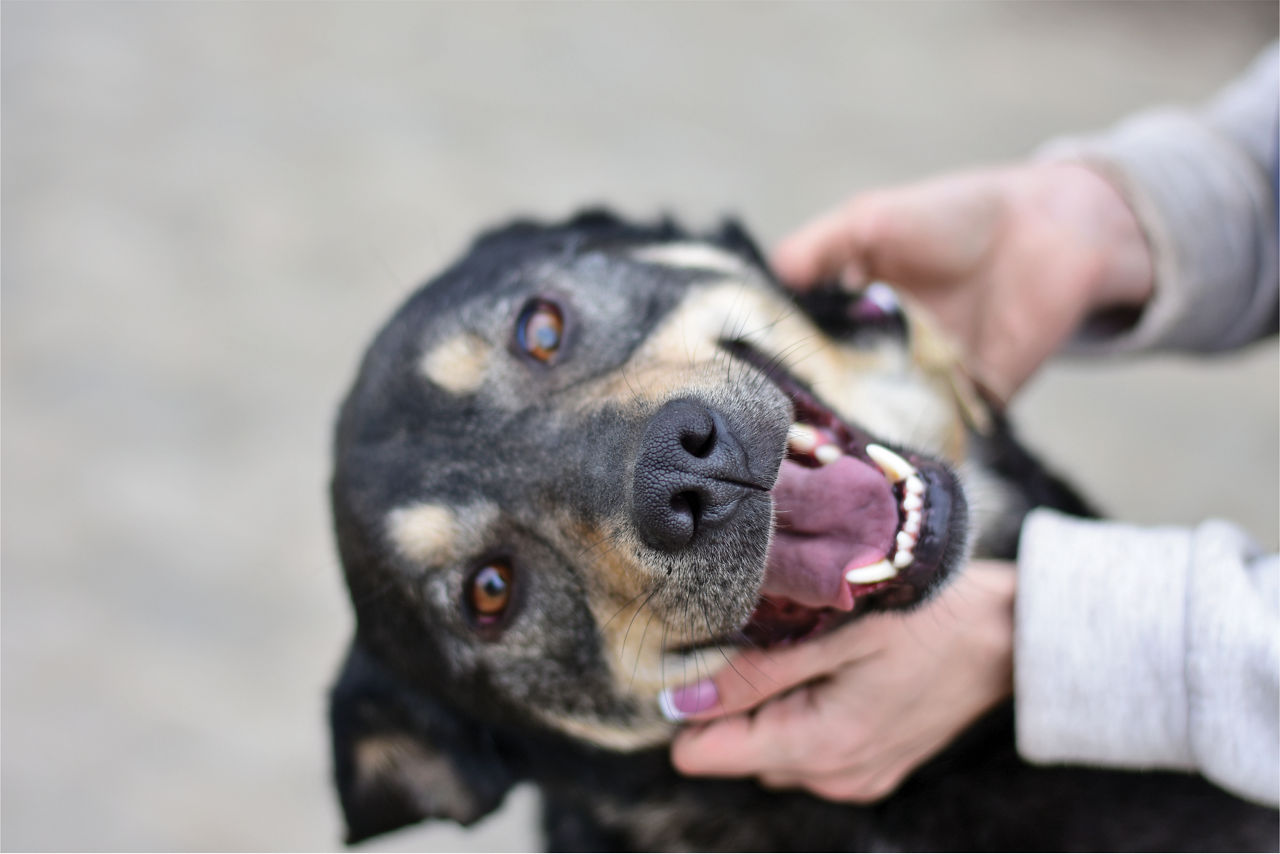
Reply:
x=830, y=520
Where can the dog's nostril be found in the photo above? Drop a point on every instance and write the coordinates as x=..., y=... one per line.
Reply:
x=699, y=443
x=687, y=505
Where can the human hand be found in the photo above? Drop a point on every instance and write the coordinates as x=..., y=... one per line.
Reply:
x=1010, y=260
x=850, y=714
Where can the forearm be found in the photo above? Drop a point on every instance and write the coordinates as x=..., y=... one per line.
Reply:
x=1149, y=648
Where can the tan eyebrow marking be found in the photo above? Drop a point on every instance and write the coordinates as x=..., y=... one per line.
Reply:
x=691, y=256
x=458, y=364
x=431, y=534
x=424, y=533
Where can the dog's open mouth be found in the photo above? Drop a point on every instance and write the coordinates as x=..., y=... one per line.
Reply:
x=857, y=523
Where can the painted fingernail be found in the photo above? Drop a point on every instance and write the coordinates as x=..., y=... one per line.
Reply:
x=687, y=700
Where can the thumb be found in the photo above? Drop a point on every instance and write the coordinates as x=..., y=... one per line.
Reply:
x=834, y=244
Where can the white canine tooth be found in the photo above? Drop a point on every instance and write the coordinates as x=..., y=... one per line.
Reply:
x=912, y=502
x=912, y=525
x=903, y=559
x=906, y=542
x=828, y=454
x=913, y=485
x=802, y=438
x=879, y=571
x=895, y=468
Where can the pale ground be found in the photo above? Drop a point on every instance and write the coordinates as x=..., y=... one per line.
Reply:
x=207, y=209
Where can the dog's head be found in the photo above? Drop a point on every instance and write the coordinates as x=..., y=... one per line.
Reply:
x=587, y=459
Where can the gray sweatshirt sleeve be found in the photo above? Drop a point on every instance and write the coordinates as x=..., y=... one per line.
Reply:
x=1149, y=648
x=1203, y=186
x=1160, y=648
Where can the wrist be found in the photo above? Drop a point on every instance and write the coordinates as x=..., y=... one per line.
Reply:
x=995, y=583
x=1092, y=211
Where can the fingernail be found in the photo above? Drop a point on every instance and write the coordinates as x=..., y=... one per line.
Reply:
x=687, y=700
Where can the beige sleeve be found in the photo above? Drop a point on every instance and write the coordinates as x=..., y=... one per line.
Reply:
x=1203, y=185
x=1149, y=648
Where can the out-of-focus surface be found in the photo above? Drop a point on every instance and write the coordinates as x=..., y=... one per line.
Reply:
x=207, y=209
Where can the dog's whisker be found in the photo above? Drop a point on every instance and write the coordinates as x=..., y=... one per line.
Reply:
x=600, y=548
x=787, y=358
x=662, y=659
x=742, y=640
x=636, y=397
x=720, y=649
x=626, y=635
x=635, y=667
x=624, y=607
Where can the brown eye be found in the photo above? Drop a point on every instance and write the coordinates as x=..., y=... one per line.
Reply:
x=540, y=329
x=490, y=591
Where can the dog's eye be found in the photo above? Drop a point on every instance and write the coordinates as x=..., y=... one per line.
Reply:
x=490, y=591
x=540, y=329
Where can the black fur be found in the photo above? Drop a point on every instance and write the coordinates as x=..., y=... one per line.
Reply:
x=417, y=736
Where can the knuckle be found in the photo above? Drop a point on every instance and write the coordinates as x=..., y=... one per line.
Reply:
x=777, y=781
x=877, y=788
x=867, y=218
x=881, y=227
x=831, y=763
x=838, y=789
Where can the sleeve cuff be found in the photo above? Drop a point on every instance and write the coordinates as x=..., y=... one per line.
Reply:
x=1100, y=639
x=1208, y=215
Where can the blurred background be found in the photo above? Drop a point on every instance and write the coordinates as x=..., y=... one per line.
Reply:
x=208, y=209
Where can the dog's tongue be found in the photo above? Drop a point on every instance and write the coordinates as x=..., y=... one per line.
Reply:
x=830, y=520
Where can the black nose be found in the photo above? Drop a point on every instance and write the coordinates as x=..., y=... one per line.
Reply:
x=690, y=475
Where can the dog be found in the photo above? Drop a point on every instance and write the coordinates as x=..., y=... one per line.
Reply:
x=590, y=459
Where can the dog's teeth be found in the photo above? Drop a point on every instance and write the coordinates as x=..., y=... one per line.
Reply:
x=878, y=571
x=828, y=454
x=906, y=541
x=802, y=438
x=913, y=522
x=895, y=468
x=913, y=485
x=912, y=502
x=903, y=559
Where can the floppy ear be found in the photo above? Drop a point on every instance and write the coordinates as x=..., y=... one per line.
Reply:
x=401, y=757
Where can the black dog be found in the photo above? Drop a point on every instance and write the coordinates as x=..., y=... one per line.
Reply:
x=588, y=459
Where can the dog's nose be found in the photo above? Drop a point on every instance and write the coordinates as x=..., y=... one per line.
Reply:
x=690, y=475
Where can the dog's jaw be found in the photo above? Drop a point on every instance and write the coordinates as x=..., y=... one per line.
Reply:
x=859, y=526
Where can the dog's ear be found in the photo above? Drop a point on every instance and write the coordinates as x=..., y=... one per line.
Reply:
x=401, y=757
x=734, y=237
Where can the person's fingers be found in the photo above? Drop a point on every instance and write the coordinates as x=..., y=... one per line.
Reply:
x=715, y=749
x=756, y=675
x=854, y=786
x=779, y=737
x=847, y=766
x=917, y=235
x=823, y=249
x=786, y=745
x=722, y=748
